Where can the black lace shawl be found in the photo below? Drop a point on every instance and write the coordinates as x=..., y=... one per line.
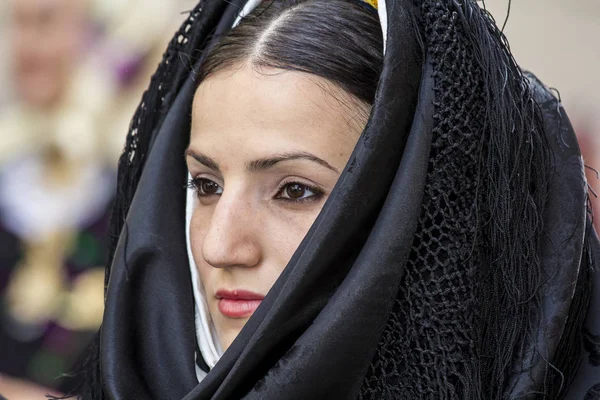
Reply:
x=455, y=258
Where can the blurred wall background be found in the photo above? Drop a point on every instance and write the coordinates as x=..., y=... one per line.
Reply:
x=560, y=42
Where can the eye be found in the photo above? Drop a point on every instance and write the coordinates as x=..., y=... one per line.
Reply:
x=205, y=187
x=295, y=191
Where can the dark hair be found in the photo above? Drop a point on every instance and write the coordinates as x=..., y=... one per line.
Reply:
x=338, y=40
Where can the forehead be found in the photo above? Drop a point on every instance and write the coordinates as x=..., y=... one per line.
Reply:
x=274, y=106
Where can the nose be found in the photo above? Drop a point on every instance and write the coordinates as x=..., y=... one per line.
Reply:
x=231, y=239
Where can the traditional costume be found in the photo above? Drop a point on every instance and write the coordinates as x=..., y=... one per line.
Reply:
x=455, y=258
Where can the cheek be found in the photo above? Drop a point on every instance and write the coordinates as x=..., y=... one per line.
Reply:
x=286, y=234
x=278, y=231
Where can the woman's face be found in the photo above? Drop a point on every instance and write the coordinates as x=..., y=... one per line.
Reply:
x=265, y=152
x=46, y=37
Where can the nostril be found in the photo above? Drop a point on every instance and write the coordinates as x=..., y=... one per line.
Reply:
x=225, y=245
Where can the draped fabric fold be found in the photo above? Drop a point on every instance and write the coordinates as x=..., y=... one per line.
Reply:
x=148, y=296
x=561, y=247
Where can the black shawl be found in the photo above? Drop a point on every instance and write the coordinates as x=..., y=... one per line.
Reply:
x=454, y=259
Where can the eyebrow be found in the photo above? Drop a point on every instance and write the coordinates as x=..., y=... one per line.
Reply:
x=262, y=163
x=202, y=159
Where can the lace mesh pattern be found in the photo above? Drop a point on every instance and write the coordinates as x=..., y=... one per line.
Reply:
x=427, y=350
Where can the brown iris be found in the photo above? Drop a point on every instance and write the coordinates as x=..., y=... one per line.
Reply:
x=295, y=191
x=208, y=187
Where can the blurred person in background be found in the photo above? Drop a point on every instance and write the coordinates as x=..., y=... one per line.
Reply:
x=55, y=193
x=76, y=70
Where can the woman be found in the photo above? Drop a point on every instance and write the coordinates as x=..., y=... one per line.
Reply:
x=396, y=216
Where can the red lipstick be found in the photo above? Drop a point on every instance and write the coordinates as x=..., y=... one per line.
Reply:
x=238, y=303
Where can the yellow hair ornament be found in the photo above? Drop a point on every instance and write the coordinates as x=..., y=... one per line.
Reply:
x=373, y=3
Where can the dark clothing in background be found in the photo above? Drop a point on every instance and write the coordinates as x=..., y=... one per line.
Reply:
x=50, y=292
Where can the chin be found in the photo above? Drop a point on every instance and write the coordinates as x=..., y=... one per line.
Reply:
x=227, y=338
x=230, y=331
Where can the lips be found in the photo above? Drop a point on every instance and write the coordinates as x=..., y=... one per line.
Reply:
x=238, y=303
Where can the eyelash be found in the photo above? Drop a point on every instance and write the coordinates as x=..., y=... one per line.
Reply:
x=195, y=184
x=317, y=193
